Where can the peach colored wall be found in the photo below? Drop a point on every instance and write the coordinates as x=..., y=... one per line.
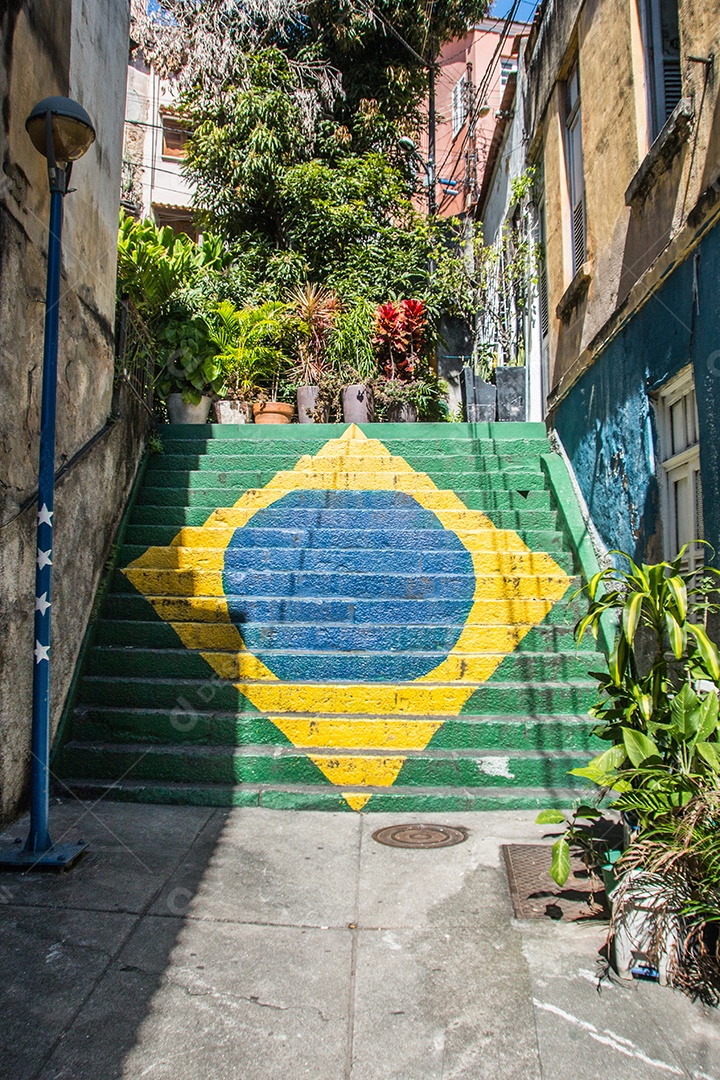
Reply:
x=475, y=49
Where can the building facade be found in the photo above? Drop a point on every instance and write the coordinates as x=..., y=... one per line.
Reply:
x=621, y=119
x=76, y=49
x=155, y=137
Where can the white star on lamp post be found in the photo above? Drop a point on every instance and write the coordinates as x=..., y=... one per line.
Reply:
x=43, y=558
x=42, y=652
x=45, y=515
x=42, y=603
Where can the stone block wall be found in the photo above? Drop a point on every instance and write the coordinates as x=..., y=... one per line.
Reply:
x=78, y=49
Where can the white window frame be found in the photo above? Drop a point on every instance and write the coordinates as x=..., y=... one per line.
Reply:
x=680, y=463
x=508, y=67
x=459, y=104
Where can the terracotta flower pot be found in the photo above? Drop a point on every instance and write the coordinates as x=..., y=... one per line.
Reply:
x=273, y=412
x=179, y=412
x=233, y=412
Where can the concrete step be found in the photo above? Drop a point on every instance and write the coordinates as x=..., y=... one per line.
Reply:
x=397, y=799
x=494, y=698
x=368, y=612
x=294, y=559
x=252, y=765
x=159, y=635
x=334, y=666
x=157, y=530
x=247, y=457
x=207, y=495
x=204, y=727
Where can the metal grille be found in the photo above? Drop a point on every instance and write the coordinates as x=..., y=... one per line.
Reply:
x=535, y=895
x=578, y=226
x=134, y=358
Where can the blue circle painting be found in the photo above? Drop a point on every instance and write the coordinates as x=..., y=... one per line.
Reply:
x=348, y=586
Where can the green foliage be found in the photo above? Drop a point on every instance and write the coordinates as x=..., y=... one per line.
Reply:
x=659, y=697
x=154, y=264
x=350, y=352
x=186, y=357
x=250, y=347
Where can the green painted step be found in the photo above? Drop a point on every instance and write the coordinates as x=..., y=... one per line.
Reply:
x=152, y=722
x=251, y=765
x=159, y=635
x=183, y=663
x=492, y=699
x=397, y=799
x=147, y=726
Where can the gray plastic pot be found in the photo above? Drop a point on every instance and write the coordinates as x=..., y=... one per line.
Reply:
x=358, y=405
x=179, y=412
x=306, y=405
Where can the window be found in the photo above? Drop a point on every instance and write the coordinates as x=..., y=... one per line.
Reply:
x=179, y=218
x=661, y=42
x=574, y=166
x=508, y=67
x=680, y=450
x=459, y=104
x=174, y=136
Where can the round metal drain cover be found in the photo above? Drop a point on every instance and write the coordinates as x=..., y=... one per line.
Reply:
x=420, y=836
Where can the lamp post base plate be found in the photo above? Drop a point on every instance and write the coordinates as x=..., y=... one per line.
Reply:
x=58, y=857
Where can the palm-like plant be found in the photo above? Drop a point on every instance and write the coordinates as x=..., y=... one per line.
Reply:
x=250, y=346
x=315, y=310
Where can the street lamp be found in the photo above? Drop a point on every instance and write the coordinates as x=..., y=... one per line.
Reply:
x=61, y=131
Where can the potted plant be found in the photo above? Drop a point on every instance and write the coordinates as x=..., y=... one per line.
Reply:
x=188, y=372
x=659, y=712
x=249, y=348
x=399, y=338
x=314, y=311
x=346, y=389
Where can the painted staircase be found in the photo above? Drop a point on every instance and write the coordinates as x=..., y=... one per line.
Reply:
x=324, y=617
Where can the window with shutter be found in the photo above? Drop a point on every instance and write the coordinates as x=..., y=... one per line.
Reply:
x=175, y=134
x=575, y=171
x=459, y=104
x=661, y=42
x=680, y=459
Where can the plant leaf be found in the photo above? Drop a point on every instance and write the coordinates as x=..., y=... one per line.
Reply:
x=638, y=746
x=560, y=865
x=631, y=615
x=707, y=650
x=550, y=817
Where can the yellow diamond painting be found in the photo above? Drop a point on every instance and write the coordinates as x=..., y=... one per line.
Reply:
x=353, y=603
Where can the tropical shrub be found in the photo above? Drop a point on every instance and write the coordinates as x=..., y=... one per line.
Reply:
x=399, y=337
x=250, y=347
x=186, y=358
x=313, y=310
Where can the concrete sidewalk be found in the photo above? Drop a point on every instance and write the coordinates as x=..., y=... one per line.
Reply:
x=201, y=944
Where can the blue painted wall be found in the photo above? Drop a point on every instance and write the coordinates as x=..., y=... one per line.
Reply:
x=607, y=423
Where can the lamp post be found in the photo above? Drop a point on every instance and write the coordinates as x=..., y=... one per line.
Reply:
x=62, y=131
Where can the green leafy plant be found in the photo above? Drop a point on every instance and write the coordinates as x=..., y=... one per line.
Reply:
x=186, y=358
x=250, y=346
x=659, y=697
x=314, y=310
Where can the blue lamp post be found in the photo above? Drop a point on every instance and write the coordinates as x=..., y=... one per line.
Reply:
x=62, y=131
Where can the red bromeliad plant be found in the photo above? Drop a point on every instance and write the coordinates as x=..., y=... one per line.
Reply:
x=399, y=337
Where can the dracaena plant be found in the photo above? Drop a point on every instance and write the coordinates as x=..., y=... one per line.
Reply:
x=399, y=337
x=659, y=697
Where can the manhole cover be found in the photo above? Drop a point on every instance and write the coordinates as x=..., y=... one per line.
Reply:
x=420, y=836
x=535, y=895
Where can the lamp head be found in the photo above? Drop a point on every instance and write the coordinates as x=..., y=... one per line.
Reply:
x=484, y=109
x=406, y=143
x=71, y=129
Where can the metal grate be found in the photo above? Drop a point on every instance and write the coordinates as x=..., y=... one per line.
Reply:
x=535, y=895
x=420, y=836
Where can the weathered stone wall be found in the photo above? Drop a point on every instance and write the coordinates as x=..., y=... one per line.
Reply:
x=78, y=49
